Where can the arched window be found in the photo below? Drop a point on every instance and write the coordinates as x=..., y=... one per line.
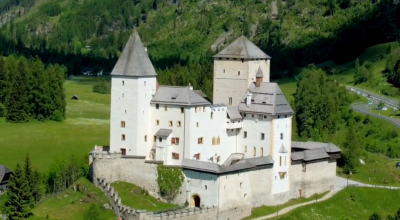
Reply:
x=280, y=160
x=213, y=141
x=212, y=115
x=254, y=151
x=245, y=148
x=218, y=140
x=262, y=151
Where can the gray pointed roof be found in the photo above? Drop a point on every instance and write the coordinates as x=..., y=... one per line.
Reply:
x=266, y=99
x=259, y=72
x=178, y=95
x=163, y=132
x=242, y=48
x=233, y=113
x=134, y=60
x=3, y=171
x=282, y=150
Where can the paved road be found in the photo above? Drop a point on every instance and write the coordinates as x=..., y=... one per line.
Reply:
x=374, y=97
x=362, y=108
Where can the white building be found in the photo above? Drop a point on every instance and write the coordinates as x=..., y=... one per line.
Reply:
x=236, y=151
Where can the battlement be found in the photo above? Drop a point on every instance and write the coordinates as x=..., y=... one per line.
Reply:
x=129, y=213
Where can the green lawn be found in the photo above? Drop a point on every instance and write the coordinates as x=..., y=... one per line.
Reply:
x=87, y=124
x=266, y=210
x=134, y=197
x=71, y=204
x=389, y=112
x=354, y=202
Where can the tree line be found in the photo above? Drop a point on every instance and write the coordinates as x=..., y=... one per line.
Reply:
x=31, y=90
x=27, y=186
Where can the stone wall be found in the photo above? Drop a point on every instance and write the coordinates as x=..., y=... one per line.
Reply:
x=135, y=170
x=206, y=213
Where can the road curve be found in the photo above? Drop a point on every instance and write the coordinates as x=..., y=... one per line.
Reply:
x=362, y=108
x=374, y=97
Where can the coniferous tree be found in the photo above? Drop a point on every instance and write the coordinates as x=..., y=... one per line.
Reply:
x=41, y=91
x=375, y=216
x=3, y=81
x=18, y=204
x=28, y=173
x=351, y=145
x=17, y=105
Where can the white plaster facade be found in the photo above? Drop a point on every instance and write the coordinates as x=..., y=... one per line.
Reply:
x=236, y=153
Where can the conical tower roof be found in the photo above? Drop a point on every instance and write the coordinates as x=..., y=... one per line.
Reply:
x=242, y=48
x=259, y=72
x=134, y=60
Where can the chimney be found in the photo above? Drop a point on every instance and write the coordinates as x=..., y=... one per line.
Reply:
x=248, y=98
x=259, y=77
x=157, y=85
x=190, y=87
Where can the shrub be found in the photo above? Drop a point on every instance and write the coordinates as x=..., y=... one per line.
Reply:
x=102, y=87
x=92, y=213
x=2, y=110
x=57, y=116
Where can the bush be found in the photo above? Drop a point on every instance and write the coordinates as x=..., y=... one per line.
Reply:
x=92, y=213
x=57, y=116
x=102, y=87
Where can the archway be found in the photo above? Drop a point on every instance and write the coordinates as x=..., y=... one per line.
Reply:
x=195, y=201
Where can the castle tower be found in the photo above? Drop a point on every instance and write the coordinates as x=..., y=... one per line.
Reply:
x=133, y=83
x=235, y=68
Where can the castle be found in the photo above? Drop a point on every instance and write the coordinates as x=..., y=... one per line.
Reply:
x=236, y=152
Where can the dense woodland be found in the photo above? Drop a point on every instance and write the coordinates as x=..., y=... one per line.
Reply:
x=29, y=90
x=179, y=34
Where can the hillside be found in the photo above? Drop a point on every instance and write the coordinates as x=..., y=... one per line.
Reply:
x=293, y=32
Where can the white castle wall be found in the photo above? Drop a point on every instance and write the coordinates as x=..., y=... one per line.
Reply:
x=126, y=94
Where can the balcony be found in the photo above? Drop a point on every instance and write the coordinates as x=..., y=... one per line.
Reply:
x=233, y=124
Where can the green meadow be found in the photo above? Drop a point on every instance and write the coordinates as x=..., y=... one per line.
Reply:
x=354, y=202
x=87, y=124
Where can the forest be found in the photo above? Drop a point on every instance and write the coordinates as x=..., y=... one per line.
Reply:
x=29, y=90
x=181, y=36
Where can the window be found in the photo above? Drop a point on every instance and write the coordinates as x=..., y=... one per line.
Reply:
x=224, y=70
x=123, y=151
x=254, y=151
x=122, y=137
x=285, y=160
x=170, y=123
x=204, y=109
x=175, y=156
x=197, y=156
x=122, y=124
x=157, y=122
x=197, y=124
x=230, y=100
x=123, y=82
x=160, y=140
x=262, y=151
x=125, y=111
x=179, y=123
x=238, y=73
x=214, y=141
x=218, y=159
x=241, y=185
x=182, y=109
x=262, y=136
x=281, y=136
x=252, y=115
x=166, y=108
x=205, y=187
x=244, y=115
x=195, y=110
x=157, y=106
x=144, y=83
x=122, y=95
x=265, y=117
x=280, y=160
x=245, y=134
x=200, y=140
x=175, y=140
x=282, y=175
x=212, y=115
x=245, y=148
x=145, y=138
x=218, y=140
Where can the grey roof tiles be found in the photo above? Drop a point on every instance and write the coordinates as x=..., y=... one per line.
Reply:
x=3, y=172
x=215, y=168
x=309, y=145
x=134, y=60
x=313, y=150
x=178, y=95
x=266, y=99
x=234, y=114
x=242, y=48
x=163, y=132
